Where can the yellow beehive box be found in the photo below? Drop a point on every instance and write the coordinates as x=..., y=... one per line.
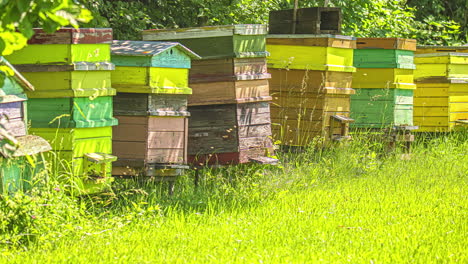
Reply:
x=311, y=52
x=438, y=107
x=383, y=78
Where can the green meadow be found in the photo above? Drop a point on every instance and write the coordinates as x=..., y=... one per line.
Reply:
x=355, y=203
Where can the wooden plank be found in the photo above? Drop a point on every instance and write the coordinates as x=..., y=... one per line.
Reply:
x=165, y=156
x=439, y=49
x=70, y=84
x=332, y=41
x=162, y=124
x=129, y=150
x=384, y=58
x=206, y=31
x=130, y=130
x=72, y=112
x=285, y=80
x=386, y=43
x=166, y=140
x=371, y=78
x=72, y=36
x=61, y=54
x=228, y=70
x=263, y=130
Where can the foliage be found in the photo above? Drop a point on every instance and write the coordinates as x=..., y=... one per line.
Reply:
x=18, y=17
x=361, y=18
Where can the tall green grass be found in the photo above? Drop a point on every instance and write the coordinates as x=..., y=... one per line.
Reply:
x=356, y=203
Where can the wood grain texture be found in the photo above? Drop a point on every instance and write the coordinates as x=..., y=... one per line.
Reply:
x=150, y=104
x=151, y=139
x=229, y=69
x=386, y=43
x=72, y=36
x=215, y=129
x=327, y=82
x=229, y=92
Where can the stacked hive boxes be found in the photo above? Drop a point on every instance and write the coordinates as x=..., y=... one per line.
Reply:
x=72, y=105
x=441, y=100
x=151, y=79
x=230, y=114
x=383, y=82
x=311, y=86
x=16, y=173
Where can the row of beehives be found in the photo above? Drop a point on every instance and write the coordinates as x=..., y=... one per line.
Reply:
x=311, y=85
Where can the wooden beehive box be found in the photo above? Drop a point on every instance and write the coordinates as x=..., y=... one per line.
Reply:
x=382, y=108
x=141, y=140
x=16, y=173
x=311, y=52
x=217, y=42
x=68, y=63
x=229, y=134
x=312, y=20
x=151, y=67
x=77, y=112
x=441, y=99
x=74, y=149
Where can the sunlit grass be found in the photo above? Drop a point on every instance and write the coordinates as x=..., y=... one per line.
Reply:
x=356, y=203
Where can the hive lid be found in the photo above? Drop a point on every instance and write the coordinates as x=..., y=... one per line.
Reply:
x=147, y=48
x=14, y=74
x=72, y=36
x=203, y=32
x=317, y=36
x=387, y=43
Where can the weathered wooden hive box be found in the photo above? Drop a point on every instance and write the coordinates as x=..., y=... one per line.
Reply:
x=384, y=83
x=16, y=172
x=313, y=20
x=152, y=110
x=73, y=105
x=441, y=99
x=229, y=106
x=310, y=85
x=233, y=65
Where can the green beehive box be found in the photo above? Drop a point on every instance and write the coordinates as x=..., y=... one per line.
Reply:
x=384, y=58
x=216, y=42
x=151, y=67
x=382, y=108
x=80, y=112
